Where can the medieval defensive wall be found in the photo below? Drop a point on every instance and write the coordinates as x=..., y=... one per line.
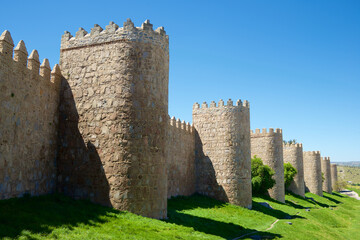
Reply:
x=99, y=128
x=268, y=145
x=312, y=172
x=326, y=171
x=293, y=153
x=222, y=145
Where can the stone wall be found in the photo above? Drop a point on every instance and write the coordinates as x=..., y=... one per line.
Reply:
x=28, y=121
x=325, y=168
x=293, y=153
x=222, y=150
x=312, y=172
x=180, y=158
x=334, y=176
x=269, y=147
x=114, y=117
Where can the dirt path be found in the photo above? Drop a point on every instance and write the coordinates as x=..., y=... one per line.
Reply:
x=350, y=194
x=251, y=233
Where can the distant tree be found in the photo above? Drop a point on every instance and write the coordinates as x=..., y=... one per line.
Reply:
x=261, y=176
x=340, y=185
x=289, y=174
x=291, y=141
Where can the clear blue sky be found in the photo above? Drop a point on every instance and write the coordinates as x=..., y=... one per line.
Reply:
x=297, y=62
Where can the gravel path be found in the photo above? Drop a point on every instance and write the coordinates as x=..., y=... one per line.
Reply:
x=350, y=194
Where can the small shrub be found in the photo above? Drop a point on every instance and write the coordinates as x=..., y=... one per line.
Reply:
x=340, y=185
x=289, y=174
x=261, y=176
x=322, y=177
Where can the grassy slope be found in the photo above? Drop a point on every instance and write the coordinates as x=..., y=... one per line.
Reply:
x=195, y=217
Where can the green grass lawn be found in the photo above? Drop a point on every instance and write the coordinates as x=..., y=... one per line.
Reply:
x=197, y=217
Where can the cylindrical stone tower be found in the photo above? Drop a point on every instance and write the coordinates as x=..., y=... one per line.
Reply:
x=334, y=176
x=269, y=147
x=325, y=168
x=293, y=153
x=222, y=149
x=114, y=117
x=312, y=172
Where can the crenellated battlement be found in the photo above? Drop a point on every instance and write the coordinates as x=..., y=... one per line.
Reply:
x=265, y=132
x=114, y=33
x=181, y=125
x=221, y=104
x=29, y=116
x=18, y=59
x=297, y=145
x=312, y=152
x=325, y=158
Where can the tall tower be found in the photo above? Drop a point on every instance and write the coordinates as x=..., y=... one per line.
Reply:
x=269, y=147
x=325, y=168
x=293, y=153
x=312, y=172
x=334, y=176
x=114, y=116
x=222, y=151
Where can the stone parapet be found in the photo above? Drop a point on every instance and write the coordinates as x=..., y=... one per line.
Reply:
x=293, y=153
x=180, y=158
x=29, y=102
x=112, y=33
x=312, y=172
x=268, y=145
x=325, y=168
x=222, y=144
x=334, y=176
x=114, y=117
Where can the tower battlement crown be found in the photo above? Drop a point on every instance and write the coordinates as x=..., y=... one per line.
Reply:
x=30, y=64
x=264, y=131
x=297, y=145
x=221, y=104
x=312, y=152
x=114, y=33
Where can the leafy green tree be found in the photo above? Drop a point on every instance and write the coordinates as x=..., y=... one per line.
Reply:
x=261, y=176
x=289, y=174
x=292, y=141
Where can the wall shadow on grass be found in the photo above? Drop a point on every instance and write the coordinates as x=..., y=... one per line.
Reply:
x=337, y=194
x=332, y=199
x=41, y=214
x=180, y=203
x=225, y=230
x=213, y=227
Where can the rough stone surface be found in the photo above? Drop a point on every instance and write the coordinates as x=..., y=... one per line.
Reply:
x=325, y=168
x=334, y=176
x=114, y=117
x=312, y=172
x=293, y=153
x=28, y=122
x=180, y=158
x=269, y=147
x=222, y=144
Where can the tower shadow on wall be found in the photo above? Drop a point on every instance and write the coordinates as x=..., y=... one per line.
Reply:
x=80, y=170
x=206, y=183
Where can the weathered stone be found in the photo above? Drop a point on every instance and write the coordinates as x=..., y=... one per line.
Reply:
x=223, y=164
x=312, y=172
x=334, y=176
x=325, y=168
x=120, y=109
x=269, y=147
x=28, y=123
x=293, y=153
